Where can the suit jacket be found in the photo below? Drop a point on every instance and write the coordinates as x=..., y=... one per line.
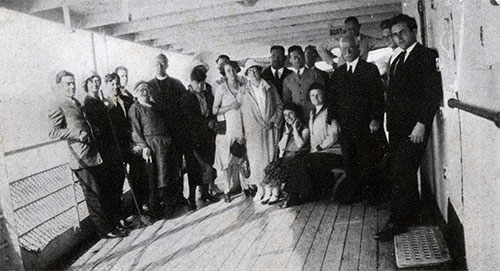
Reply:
x=120, y=122
x=67, y=122
x=268, y=75
x=97, y=115
x=358, y=97
x=168, y=101
x=296, y=89
x=414, y=92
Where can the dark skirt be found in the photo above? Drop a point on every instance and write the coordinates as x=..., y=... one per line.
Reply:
x=307, y=174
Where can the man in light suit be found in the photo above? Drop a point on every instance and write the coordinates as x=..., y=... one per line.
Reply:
x=276, y=72
x=414, y=94
x=296, y=85
x=359, y=109
x=68, y=122
x=351, y=27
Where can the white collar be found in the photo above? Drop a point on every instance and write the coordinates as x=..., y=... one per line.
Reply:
x=162, y=78
x=408, y=51
x=318, y=108
x=280, y=70
x=301, y=70
x=353, y=64
x=143, y=103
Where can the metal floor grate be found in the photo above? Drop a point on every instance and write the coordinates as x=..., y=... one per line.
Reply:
x=420, y=246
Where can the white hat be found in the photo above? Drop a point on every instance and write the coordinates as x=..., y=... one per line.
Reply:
x=250, y=63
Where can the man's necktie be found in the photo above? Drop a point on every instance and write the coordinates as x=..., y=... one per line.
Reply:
x=398, y=63
x=349, y=71
x=276, y=75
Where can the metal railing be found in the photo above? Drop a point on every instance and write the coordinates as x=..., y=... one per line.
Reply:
x=476, y=110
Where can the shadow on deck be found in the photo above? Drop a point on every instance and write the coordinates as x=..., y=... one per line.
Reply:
x=243, y=235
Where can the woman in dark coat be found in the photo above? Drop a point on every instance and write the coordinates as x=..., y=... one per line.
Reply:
x=199, y=138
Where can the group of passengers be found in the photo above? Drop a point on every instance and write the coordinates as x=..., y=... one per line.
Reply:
x=278, y=135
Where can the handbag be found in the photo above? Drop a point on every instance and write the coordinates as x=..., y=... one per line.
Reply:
x=220, y=127
x=245, y=167
x=237, y=149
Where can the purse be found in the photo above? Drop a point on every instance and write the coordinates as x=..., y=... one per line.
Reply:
x=220, y=127
x=237, y=149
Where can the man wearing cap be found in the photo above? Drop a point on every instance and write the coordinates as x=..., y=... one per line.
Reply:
x=68, y=122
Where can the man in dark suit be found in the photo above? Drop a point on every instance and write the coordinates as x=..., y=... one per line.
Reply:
x=413, y=98
x=359, y=109
x=68, y=122
x=167, y=92
x=277, y=72
x=311, y=55
x=296, y=85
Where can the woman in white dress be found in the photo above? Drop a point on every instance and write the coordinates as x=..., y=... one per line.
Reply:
x=261, y=111
x=227, y=109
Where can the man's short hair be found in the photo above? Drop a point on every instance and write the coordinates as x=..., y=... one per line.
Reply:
x=386, y=24
x=223, y=57
x=198, y=75
x=112, y=76
x=277, y=47
x=352, y=19
x=62, y=74
x=121, y=68
x=311, y=48
x=295, y=48
x=403, y=18
x=162, y=57
x=349, y=38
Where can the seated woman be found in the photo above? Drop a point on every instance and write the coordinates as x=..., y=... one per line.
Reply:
x=294, y=141
x=308, y=175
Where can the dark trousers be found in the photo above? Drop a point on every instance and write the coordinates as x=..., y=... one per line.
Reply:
x=194, y=171
x=98, y=192
x=361, y=152
x=138, y=178
x=405, y=158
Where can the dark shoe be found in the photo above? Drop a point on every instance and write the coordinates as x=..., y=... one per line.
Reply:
x=116, y=233
x=388, y=232
x=247, y=193
x=125, y=224
x=290, y=200
x=206, y=196
x=273, y=200
x=227, y=198
x=264, y=201
x=191, y=204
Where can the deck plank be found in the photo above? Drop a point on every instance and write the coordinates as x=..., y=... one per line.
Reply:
x=368, y=254
x=167, y=241
x=317, y=253
x=266, y=258
x=386, y=256
x=206, y=236
x=189, y=240
x=234, y=250
x=299, y=254
x=333, y=256
x=350, y=257
x=292, y=236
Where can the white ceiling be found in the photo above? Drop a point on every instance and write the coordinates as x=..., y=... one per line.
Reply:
x=237, y=28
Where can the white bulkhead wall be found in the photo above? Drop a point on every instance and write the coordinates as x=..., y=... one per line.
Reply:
x=465, y=149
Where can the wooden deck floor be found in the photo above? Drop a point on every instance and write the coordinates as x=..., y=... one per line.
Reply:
x=243, y=235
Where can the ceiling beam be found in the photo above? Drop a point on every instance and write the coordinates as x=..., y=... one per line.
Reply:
x=257, y=25
x=141, y=9
x=321, y=26
x=265, y=9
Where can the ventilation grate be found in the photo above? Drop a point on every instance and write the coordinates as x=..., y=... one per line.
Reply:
x=420, y=246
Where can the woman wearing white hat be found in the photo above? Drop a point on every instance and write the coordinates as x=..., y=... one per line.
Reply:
x=261, y=111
